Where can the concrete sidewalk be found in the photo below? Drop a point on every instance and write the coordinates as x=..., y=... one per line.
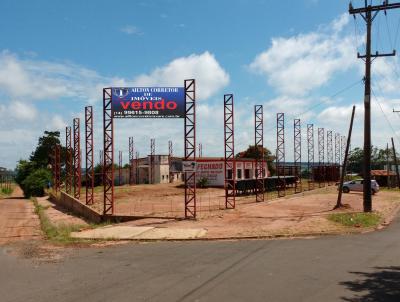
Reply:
x=117, y=232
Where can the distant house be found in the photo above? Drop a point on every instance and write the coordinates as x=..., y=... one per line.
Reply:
x=383, y=177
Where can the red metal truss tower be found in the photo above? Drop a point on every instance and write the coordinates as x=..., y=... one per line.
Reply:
x=77, y=159
x=259, y=145
x=89, y=181
x=108, y=153
x=297, y=155
x=190, y=147
x=69, y=169
x=229, y=147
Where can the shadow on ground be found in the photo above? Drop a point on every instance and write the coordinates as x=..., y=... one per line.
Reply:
x=383, y=284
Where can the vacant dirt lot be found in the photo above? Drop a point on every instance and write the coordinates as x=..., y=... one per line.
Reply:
x=166, y=200
x=304, y=213
x=18, y=220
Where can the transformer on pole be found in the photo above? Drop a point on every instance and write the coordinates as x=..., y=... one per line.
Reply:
x=280, y=153
x=77, y=159
x=69, y=170
x=310, y=157
x=321, y=157
x=190, y=147
x=297, y=155
x=89, y=155
x=108, y=147
x=229, y=148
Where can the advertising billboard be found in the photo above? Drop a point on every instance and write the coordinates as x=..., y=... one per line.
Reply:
x=148, y=102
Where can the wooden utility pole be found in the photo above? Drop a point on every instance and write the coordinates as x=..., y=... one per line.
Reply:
x=344, y=167
x=368, y=13
x=395, y=164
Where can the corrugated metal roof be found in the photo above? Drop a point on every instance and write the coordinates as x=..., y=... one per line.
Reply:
x=382, y=173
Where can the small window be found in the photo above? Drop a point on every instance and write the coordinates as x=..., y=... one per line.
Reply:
x=163, y=177
x=247, y=173
x=239, y=173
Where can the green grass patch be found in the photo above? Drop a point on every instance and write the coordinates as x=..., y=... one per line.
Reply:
x=363, y=220
x=4, y=192
x=55, y=233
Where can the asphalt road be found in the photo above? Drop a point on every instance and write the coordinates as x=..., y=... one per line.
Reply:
x=349, y=268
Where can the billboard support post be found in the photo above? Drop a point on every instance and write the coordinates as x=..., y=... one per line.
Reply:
x=280, y=154
x=259, y=145
x=89, y=174
x=152, y=160
x=131, y=158
x=297, y=155
x=190, y=147
x=68, y=161
x=229, y=146
x=321, y=157
x=310, y=150
x=108, y=153
x=77, y=159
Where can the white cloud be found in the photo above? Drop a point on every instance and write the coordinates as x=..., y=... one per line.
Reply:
x=41, y=80
x=131, y=30
x=210, y=76
x=300, y=64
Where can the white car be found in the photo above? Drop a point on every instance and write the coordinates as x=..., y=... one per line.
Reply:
x=357, y=186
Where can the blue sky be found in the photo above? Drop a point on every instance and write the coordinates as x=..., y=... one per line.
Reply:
x=55, y=56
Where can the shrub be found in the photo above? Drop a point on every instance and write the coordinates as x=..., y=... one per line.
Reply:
x=36, y=182
x=202, y=182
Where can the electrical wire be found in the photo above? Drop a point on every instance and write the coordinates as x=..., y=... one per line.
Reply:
x=383, y=112
x=322, y=102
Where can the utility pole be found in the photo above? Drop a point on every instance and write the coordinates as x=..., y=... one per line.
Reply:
x=368, y=13
x=395, y=165
x=344, y=167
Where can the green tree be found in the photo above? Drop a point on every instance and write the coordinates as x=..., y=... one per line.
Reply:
x=253, y=152
x=44, y=150
x=35, y=184
x=24, y=168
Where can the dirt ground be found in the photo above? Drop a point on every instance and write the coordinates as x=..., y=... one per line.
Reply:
x=18, y=220
x=167, y=200
x=299, y=214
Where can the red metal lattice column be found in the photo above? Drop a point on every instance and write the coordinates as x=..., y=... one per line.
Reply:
x=310, y=151
x=108, y=153
x=152, y=160
x=137, y=167
x=321, y=157
x=89, y=155
x=280, y=154
x=259, y=145
x=329, y=155
x=77, y=159
x=170, y=155
x=131, y=159
x=337, y=157
x=190, y=147
x=120, y=168
x=297, y=156
x=68, y=161
x=230, y=163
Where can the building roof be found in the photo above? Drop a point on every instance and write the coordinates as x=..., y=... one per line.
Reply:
x=382, y=173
